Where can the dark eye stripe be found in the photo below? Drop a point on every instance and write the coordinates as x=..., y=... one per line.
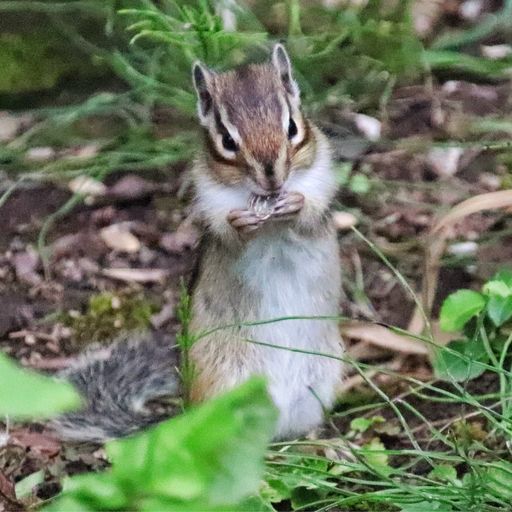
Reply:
x=292, y=128
x=227, y=141
x=214, y=152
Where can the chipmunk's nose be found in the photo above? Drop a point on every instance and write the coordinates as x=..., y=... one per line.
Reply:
x=271, y=185
x=270, y=182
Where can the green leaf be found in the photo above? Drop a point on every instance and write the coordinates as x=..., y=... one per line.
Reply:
x=342, y=173
x=210, y=458
x=454, y=367
x=359, y=184
x=363, y=424
x=24, y=487
x=459, y=308
x=376, y=456
x=27, y=394
x=504, y=275
x=499, y=309
x=360, y=424
x=444, y=472
x=499, y=288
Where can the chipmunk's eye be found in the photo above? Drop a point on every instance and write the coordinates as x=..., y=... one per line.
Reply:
x=292, y=129
x=228, y=143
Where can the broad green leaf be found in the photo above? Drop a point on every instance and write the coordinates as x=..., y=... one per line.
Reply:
x=505, y=276
x=27, y=394
x=210, y=458
x=454, y=367
x=499, y=309
x=459, y=308
x=499, y=288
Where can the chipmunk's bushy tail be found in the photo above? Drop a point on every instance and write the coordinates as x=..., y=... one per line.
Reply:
x=126, y=386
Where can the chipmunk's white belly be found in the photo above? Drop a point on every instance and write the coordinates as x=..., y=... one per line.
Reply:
x=292, y=276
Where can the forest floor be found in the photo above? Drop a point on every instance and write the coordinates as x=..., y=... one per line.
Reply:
x=115, y=261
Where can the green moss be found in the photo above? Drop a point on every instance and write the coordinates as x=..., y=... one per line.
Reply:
x=108, y=315
x=38, y=61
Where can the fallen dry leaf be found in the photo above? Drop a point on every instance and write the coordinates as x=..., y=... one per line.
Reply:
x=25, y=265
x=131, y=187
x=496, y=51
x=425, y=15
x=11, y=125
x=40, y=154
x=383, y=337
x=87, y=186
x=436, y=244
x=119, y=238
x=445, y=161
x=42, y=443
x=490, y=201
x=369, y=126
x=137, y=275
x=7, y=487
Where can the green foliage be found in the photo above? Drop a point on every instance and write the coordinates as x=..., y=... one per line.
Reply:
x=485, y=336
x=109, y=314
x=463, y=361
x=357, y=183
x=459, y=307
x=210, y=458
x=37, y=61
x=25, y=394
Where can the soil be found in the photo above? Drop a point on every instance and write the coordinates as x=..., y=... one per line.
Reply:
x=411, y=186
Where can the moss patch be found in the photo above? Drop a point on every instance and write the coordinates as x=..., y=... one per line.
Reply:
x=108, y=315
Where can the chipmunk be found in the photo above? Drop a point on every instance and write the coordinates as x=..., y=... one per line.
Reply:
x=263, y=187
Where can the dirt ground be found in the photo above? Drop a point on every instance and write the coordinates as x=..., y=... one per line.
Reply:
x=154, y=248
x=132, y=245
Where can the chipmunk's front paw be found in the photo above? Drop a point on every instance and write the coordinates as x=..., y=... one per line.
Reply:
x=244, y=222
x=288, y=206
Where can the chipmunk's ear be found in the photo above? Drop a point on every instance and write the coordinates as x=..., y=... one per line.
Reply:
x=281, y=62
x=202, y=78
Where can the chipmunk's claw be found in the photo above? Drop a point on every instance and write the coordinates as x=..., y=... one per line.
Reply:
x=288, y=206
x=244, y=221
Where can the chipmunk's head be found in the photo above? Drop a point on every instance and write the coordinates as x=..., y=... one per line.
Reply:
x=255, y=130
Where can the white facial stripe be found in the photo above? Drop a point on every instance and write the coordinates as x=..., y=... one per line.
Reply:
x=285, y=113
x=231, y=128
x=281, y=158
